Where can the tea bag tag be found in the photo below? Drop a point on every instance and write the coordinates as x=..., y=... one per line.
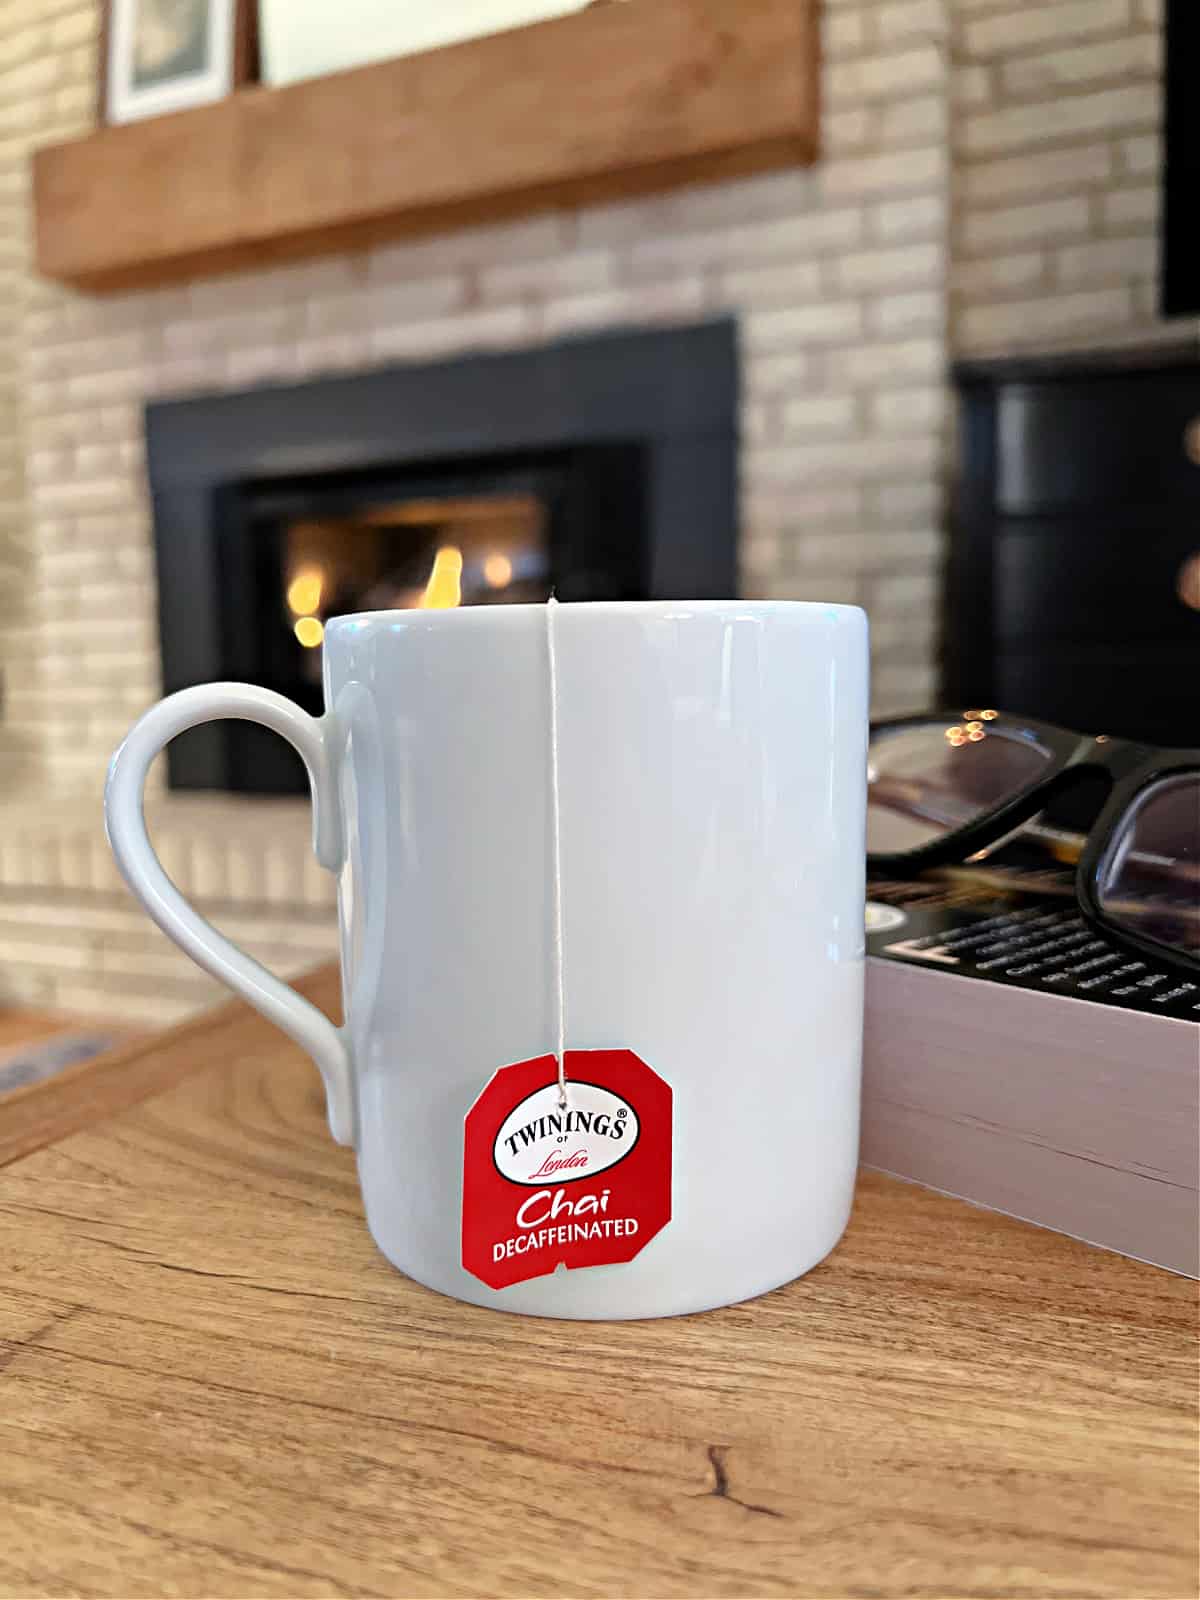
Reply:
x=588, y=1185
x=567, y=1157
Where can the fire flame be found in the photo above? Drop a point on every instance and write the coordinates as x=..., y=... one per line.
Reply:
x=304, y=591
x=444, y=589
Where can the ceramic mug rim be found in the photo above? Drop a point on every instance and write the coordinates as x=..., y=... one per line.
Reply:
x=668, y=610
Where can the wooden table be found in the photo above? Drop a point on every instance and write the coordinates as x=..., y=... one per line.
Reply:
x=212, y=1385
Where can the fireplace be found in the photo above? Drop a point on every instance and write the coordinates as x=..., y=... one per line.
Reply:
x=597, y=468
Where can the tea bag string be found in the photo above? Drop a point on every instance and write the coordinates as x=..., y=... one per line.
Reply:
x=556, y=835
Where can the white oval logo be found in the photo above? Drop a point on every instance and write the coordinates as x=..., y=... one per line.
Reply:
x=539, y=1142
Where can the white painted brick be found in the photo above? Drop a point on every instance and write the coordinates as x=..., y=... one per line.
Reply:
x=1134, y=55
x=834, y=589
x=340, y=314
x=887, y=174
x=907, y=594
x=868, y=270
x=318, y=887
x=222, y=300
x=1028, y=126
x=971, y=85
x=160, y=961
x=897, y=640
x=326, y=275
x=894, y=75
x=384, y=304
x=806, y=505
x=90, y=387
x=759, y=421
x=1146, y=310
x=279, y=875
x=900, y=688
x=258, y=364
x=910, y=410
x=994, y=274
x=758, y=555
x=870, y=550
x=800, y=280
x=467, y=330
x=792, y=237
x=1141, y=155
x=825, y=229
x=1106, y=261
x=918, y=121
x=97, y=460
x=1027, y=26
x=71, y=495
x=180, y=375
x=918, y=216
x=904, y=503
x=845, y=33
x=45, y=466
x=58, y=954
x=772, y=468
x=894, y=363
x=1135, y=207
x=906, y=19
x=581, y=273
x=1035, y=173
x=531, y=238
x=767, y=374
x=331, y=353
x=770, y=196
x=918, y=311
x=623, y=223
x=152, y=1005
x=22, y=43
x=829, y=460
x=680, y=298
x=848, y=131
x=822, y=323
x=31, y=78
x=820, y=413
x=1051, y=319
x=259, y=325
x=1041, y=222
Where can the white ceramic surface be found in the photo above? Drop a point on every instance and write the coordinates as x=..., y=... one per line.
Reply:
x=712, y=789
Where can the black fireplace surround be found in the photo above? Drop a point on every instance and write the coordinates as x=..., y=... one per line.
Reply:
x=628, y=439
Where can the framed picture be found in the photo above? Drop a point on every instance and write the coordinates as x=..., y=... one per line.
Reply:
x=307, y=38
x=165, y=55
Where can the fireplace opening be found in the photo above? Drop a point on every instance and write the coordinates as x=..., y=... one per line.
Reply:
x=295, y=552
x=598, y=468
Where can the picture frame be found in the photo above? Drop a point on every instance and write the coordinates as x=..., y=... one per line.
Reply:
x=311, y=38
x=158, y=56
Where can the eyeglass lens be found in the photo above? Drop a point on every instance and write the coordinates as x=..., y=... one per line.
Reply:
x=925, y=779
x=1149, y=878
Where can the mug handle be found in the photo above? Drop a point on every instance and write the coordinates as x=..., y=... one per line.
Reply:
x=125, y=822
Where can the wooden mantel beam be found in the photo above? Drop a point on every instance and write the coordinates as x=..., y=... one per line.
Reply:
x=612, y=100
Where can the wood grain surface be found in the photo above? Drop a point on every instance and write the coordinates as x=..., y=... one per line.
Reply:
x=84, y=1094
x=609, y=100
x=212, y=1385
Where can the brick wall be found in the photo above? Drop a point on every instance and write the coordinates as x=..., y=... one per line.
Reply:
x=1057, y=123
x=852, y=286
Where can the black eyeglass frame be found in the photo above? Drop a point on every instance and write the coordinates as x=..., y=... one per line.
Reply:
x=1131, y=768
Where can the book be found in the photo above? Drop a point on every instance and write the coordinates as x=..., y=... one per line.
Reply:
x=1016, y=1058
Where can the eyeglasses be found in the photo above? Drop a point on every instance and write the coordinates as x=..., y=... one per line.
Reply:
x=942, y=787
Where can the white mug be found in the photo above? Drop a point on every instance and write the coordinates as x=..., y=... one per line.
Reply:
x=635, y=827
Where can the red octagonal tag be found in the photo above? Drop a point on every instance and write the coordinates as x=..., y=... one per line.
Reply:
x=587, y=1185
